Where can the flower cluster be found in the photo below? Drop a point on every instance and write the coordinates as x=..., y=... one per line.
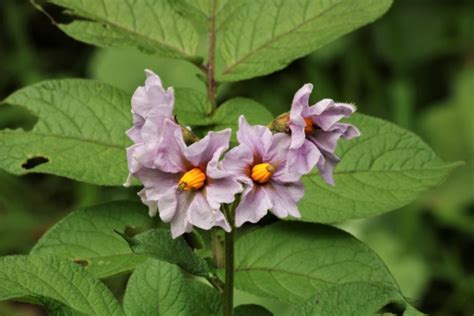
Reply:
x=188, y=179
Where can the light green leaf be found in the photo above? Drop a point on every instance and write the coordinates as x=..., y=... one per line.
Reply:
x=358, y=298
x=160, y=288
x=192, y=109
x=87, y=236
x=384, y=169
x=54, y=282
x=257, y=37
x=80, y=133
x=158, y=244
x=291, y=261
x=153, y=26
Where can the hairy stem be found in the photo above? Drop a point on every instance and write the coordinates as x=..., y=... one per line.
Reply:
x=229, y=263
x=211, y=82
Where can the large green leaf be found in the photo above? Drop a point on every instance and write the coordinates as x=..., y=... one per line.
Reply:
x=257, y=37
x=158, y=244
x=153, y=26
x=358, y=298
x=80, y=133
x=291, y=261
x=55, y=282
x=384, y=169
x=160, y=288
x=87, y=236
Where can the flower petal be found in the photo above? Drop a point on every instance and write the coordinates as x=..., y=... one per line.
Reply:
x=285, y=197
x=332, y=113
x=180, y=223
x=170, y=154
x=202, y=215
x=257, y=137
x=299, y=108
x=326, y=167
x=222, y=190
x=199, y=153
x=253, y=205
x=238, y=160
x=301, y=160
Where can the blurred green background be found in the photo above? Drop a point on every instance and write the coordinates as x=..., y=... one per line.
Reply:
x=414, y=67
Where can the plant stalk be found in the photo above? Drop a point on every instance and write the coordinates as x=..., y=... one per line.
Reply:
x=229, y=263
x=211, y=82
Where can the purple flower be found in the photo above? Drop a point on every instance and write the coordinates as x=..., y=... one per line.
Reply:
x=151, y=105
x=187, y=183
x=259, y=162
x=315, y=131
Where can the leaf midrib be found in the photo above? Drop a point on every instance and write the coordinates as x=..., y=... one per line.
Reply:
x=231, y=67
x=95, y=142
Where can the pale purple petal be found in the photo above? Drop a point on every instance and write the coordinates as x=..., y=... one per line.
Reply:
x=199, y=153
x=167, y=205
x=299, y=108
x=222, y=190
x=202, y=215
x=238, y=161
x=180, y=223
x=326, y=167
x=253, y=206
x=170, y=154
x=152, y=205
x=156, y=182
x=285, y=197
x=257, y=137
x=146, y=98
x=333, y=113
x=303, y=159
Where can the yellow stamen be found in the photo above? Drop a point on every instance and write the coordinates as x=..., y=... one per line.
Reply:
x=192, y=180
x=309, y=125
x=262, y=172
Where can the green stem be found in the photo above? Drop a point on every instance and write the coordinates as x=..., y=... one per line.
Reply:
x=229, y=264
x=211, y=82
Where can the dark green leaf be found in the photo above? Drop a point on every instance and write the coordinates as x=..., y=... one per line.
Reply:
x=87, y=236
x=158, y=244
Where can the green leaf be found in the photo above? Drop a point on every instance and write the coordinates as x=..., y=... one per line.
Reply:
x=291, y=261
x=152, y=26
x=80, y=133
x=160, y=288
x=54, y=282
x=193, y=108
x=384, y=169
x=251, y=310
x=358, y=298
x=257, y=37
x=158, y=244
x=87, y=236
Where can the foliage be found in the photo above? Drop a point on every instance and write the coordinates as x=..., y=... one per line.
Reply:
x=75, y=128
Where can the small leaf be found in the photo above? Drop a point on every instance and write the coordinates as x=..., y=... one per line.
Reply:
x=251, y=310
x=257, y=37
x=80, y=133
x=56, y=283
x=193, y=109
x=358, y=298
x=151, y=26
x=291, y=261
x=384, y=169
x=160, y=288
x=87, y=237
x=158, y=244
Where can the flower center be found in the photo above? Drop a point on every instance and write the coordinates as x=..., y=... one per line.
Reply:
x=192, y=180
x=309, y=125
x=262, y=172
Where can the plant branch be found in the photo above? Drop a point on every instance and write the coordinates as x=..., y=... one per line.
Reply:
x=211, y=82
x=229, y=262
